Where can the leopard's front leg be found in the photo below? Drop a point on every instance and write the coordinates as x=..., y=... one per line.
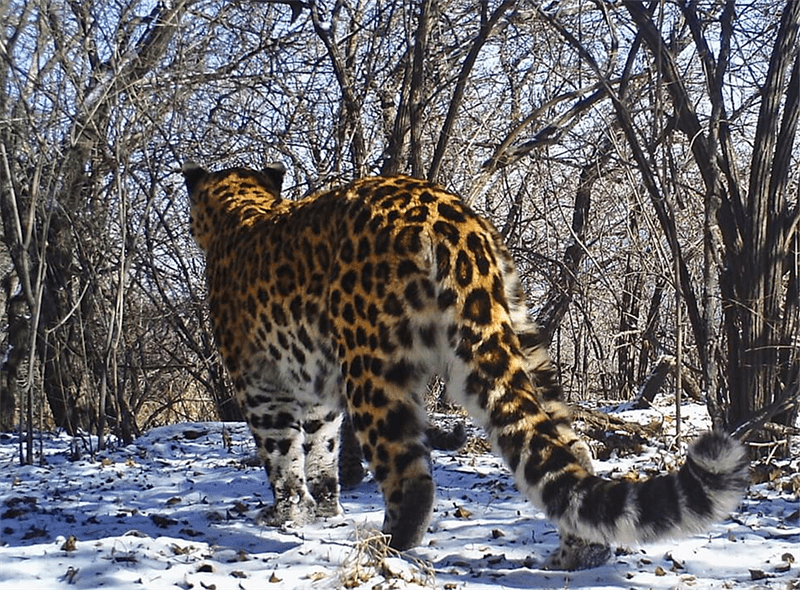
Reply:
x=321, y=427
x=276, y=419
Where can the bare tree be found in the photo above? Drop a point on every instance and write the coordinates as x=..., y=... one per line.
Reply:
x=64, y=83
x=637, y=157
x=749, y=235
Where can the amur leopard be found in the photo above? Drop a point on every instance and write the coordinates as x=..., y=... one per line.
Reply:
x=352, y=298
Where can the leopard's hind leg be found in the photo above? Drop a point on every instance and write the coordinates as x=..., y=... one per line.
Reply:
x=390, y=425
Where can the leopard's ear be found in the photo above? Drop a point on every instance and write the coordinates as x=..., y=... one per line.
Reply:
x=192, y=174
x=275, y=171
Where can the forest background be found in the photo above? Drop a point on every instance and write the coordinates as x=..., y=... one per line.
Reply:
x=639, y=158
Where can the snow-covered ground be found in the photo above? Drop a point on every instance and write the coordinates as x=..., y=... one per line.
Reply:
x=177, y=509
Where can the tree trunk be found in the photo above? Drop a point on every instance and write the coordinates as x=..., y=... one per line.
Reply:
x=759, y=368
x=14, y=370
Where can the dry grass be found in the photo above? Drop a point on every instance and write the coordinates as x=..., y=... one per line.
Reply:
x=371, y=556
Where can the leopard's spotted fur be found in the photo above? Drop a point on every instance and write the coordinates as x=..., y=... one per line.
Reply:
x=351, y=469
x=354, y=297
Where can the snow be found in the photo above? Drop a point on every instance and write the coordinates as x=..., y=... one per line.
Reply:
x=177, y=509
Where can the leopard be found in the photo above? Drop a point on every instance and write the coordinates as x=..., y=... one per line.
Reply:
x=351, y=467
x=347, y=301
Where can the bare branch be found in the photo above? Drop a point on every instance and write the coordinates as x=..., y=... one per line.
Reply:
x=458, y=92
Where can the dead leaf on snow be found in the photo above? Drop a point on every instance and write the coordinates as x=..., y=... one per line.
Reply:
x=461, y=512
x=316, y=576
x=756, y=574
x=69, y=544
x=178, y=550
x=676, y=564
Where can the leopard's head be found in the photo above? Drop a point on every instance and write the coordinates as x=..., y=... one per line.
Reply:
x=213, y=193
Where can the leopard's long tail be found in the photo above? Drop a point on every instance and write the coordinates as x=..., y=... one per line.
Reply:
x=510, y=384
x=706, y=489
x=530, y=427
